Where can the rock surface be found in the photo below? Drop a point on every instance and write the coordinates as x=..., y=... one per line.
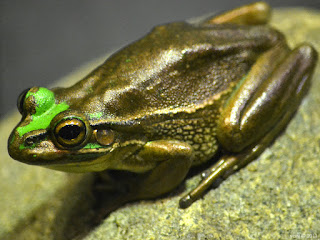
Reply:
x=275, y=197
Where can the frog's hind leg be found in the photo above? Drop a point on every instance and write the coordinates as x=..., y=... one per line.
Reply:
x=251, y=14
x=272, y=89
x=229, y=164
x=259, y=110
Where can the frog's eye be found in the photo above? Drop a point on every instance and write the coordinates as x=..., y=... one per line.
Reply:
x=70, y=132
x=21, y=99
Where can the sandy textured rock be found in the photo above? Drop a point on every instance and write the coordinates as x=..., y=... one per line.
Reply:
x=276, y=196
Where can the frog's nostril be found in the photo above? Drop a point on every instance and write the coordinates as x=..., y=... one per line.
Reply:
x=29, y=141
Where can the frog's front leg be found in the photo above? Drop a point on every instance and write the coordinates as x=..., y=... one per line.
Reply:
x=173, y=159
x=259, y=110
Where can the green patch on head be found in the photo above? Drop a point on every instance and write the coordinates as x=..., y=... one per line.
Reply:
x=92, y=145
x=46, y=110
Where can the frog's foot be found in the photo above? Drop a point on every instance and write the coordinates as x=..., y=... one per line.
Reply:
x=251, y=14
x=215, y=173
x=259, y=110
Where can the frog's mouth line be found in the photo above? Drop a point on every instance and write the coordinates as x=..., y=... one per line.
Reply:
x=65, y=157
x=76, y=166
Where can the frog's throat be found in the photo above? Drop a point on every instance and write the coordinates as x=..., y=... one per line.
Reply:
x=46, y=110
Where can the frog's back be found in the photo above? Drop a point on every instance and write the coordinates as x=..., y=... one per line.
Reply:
x=177, y=67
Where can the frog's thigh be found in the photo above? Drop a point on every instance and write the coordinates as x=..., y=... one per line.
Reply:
x=175, y=160
x=273, y=89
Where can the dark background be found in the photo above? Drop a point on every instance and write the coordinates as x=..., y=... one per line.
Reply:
x=42, y=41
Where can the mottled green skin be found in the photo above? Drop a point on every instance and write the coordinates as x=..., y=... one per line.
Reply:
x=173, y=98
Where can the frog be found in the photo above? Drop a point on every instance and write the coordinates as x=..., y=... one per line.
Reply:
x=218, y=90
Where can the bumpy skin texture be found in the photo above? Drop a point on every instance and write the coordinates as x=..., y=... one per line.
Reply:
x=169, y=101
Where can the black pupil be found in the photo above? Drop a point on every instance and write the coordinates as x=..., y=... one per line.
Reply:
x=70, y=132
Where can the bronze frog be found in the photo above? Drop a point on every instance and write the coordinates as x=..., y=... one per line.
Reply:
x=172, y=100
